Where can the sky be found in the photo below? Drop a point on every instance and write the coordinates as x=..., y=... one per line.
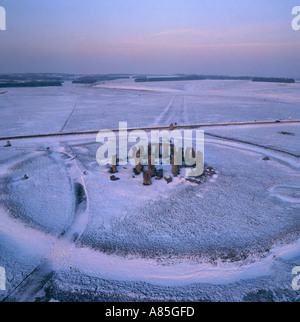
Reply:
x=215, y=37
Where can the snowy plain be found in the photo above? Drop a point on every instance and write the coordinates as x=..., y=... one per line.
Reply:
x=69, y=233
x=45, y=110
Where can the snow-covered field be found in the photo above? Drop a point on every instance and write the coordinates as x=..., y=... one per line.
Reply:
x=69, y=233
x=44, y=110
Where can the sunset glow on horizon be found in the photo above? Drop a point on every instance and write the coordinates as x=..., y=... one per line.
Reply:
x=155, y=37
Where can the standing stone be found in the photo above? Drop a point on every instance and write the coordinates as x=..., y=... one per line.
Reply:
x=176, y=157
x=193, y=153
x=160, y=173
x=138, y=162
x=151, y=161
x=114, y=164
x=147, y=177
x=175, y=168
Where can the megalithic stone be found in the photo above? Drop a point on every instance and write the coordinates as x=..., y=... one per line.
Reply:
x=147, y=177
x=193, y=153
x=151, y=161
x=172, y=152
x=138, y=162
x=149, y=154
x=169, y=180
x=152, y=171
x=175, y=168
x=151, y=166
x=172, y=148
x=160, y=173
x=160, y=151
x=114, y=164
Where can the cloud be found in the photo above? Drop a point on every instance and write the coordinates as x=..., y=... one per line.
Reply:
x=250, y=33
x=174, y=32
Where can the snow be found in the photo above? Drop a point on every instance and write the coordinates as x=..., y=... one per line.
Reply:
x=226, y=239
x=287, y=193
x=45, y=200
x=279, y=136
x=45, y=110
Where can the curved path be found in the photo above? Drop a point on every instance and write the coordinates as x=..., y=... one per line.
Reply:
x=34, y=282
x=26, y=290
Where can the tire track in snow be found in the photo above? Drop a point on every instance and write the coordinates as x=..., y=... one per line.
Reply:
x=26, y=290
x=183, y=112
x=251, y=143
x=164, y=115
x=174, y=112
x=247, y=146
x=68, y=119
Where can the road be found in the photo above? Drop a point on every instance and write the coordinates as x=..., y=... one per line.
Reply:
x=178, y=127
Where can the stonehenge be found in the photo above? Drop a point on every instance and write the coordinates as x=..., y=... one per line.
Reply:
x=168, y=153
